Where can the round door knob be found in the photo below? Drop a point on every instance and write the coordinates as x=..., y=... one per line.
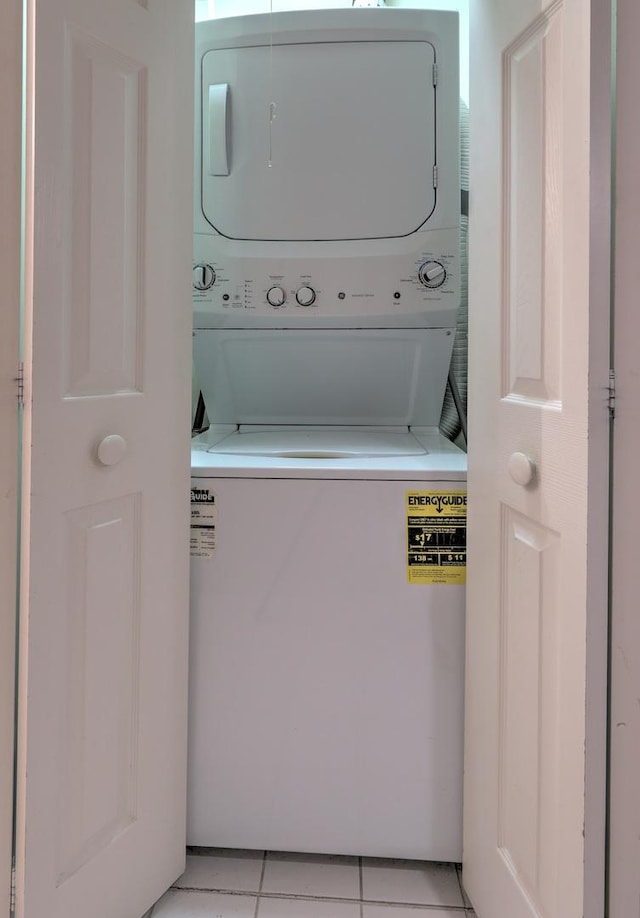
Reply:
x=112, y=449
x=204, y=277
x=276, y=296
x=306, y=296
x=432, y=274
x=522, y=468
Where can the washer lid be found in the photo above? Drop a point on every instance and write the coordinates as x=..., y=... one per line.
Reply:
x=351, y=377
x=330, y=140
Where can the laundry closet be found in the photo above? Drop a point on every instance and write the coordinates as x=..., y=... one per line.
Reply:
x=323, y=619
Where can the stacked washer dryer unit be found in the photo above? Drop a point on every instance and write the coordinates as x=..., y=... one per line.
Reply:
x=327, y=619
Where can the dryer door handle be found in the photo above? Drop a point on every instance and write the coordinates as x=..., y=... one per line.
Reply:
x=218, y=127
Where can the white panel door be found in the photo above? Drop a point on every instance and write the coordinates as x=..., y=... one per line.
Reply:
x=536, y=629
x=103, y=667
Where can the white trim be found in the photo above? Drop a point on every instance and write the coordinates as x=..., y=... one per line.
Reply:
x=10, y=157
x=598, y=474
x=625, y=640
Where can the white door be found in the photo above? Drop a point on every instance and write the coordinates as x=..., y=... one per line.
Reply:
x=103, y=662
x=536, y=628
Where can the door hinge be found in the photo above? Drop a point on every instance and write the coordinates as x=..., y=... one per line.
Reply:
x=12, y=893
x=435, y=176
x=19, y=380
x=435, y=75
x=611, y=389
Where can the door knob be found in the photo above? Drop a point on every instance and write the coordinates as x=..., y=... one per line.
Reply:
x=522, y=468
x=112, y=449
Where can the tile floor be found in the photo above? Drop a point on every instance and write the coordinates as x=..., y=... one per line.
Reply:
x=220, y=883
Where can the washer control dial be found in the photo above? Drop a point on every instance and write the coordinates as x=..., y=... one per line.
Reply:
x=276, y=296
x=432, y=274
x=306, y=296
x=204, y=276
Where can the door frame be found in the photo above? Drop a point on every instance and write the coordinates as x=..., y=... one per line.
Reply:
x=599, y=470
x=10, y=223
x=10, y=253
x=624, y=727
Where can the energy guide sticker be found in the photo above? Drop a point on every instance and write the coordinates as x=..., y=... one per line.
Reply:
x=203, y=521
x=436, y=536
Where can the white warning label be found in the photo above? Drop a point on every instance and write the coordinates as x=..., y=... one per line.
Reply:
x=203, y=521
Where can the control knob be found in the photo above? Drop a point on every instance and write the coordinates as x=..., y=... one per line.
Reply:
x=306, y=296
x=204, y=276
x=276, y=296
x=432, y=274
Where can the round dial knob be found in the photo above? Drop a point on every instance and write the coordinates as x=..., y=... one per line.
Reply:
x=305, y=296
x=432, y=274
x=204, y=277
x=276, y=296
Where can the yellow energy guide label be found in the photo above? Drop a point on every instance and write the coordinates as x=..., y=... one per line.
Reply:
x=436, y=536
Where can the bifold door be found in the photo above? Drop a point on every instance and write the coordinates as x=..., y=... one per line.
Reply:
x=538, y=477
x=103, y=693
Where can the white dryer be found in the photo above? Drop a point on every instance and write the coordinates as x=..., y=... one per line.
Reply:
x=327, y=169
x=328, y=539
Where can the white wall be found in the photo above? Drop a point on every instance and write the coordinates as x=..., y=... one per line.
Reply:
x=459, y=6
x=216, y=9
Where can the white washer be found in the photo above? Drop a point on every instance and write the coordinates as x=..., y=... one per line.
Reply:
x=326, y=690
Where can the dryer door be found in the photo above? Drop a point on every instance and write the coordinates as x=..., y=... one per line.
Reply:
x=320, y=140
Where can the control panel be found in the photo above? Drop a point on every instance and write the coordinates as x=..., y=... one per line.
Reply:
x=420, y=288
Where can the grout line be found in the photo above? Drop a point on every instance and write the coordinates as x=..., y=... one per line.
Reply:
x=423, y=909
x=459, y=879
x=465, y=897
x=418, y=906
x=361, y=887
x=222, y=891
x=294, y=897
x=262, y=872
